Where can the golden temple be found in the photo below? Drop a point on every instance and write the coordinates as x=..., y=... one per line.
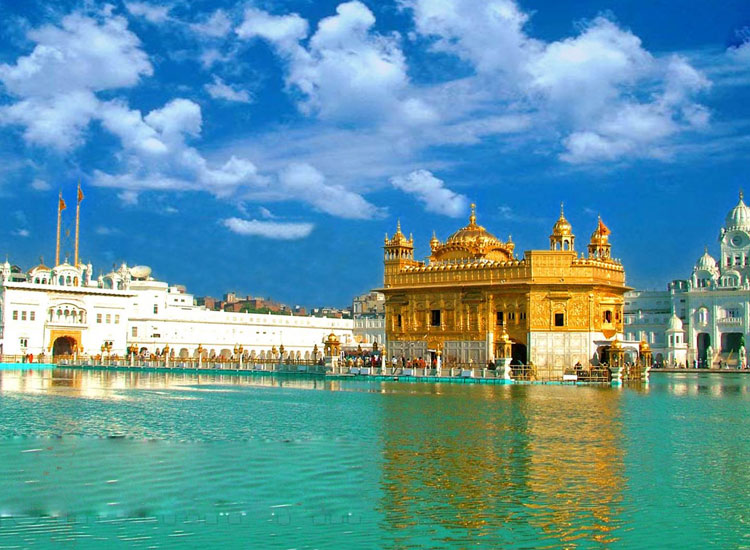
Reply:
x=559, y=308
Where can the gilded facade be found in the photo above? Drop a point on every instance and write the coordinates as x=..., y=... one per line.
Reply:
x=558, y=307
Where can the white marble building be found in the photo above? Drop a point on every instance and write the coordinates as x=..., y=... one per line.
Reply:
x=704, y=319
x=63, y=310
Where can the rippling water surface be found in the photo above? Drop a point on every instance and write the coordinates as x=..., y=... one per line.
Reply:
x=99, y=459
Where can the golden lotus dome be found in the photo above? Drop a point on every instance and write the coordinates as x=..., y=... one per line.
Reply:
x=472, y=233
x=470, y=243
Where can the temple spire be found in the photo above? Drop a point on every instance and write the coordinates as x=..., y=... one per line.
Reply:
x=473, y=216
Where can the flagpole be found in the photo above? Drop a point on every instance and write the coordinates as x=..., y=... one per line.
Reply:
x=59, y=218
x=78, y=220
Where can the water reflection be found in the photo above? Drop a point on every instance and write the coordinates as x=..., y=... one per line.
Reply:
x=490, y=462
x=377, y=464
x=105, y=384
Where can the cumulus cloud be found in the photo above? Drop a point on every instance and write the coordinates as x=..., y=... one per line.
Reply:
x=55, y=85
x=21, y=233
x=305, y=182
x=347, y=71
x=610, y=97
x=269, y=230
x=150, y=12
x=218, y=89
x=431, y=192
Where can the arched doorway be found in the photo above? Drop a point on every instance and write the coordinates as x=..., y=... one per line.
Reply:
x=64, y=345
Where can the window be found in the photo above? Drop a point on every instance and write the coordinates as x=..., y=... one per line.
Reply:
x=99, y=318
x=32, y=316
x=15, y=316
x=117, y=319
x=134, y=332
x=522, y=316
x=608, y=316
x=559, y=319
x=511, y=316
x=23, y=316
x=398, y=320
x=109, y=318
x=156, y=309
x=500, y=318
x=24, y=342
x=435, y=318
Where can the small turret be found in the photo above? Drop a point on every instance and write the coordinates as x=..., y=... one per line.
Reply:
x=562, y=237
x=599, y=247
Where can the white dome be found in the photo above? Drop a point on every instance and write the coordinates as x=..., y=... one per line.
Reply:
x=675, y=323
x=706, y=262
x=739, y=216
x=140, y=272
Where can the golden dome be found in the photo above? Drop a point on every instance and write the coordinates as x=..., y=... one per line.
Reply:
x=473, y=234
x=616, y=345
x=471, y=242
x=601, y=233
x=562, y=227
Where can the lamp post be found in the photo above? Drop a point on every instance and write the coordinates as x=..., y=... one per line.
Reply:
x=238, y=350
x=106, y=348
x=200, y=355
x=166, y=351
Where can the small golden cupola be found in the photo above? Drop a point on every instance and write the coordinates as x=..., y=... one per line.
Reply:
x=398, y=251
x=471, y=242
x=600, y=247
x=562, y=237
x=434, y=242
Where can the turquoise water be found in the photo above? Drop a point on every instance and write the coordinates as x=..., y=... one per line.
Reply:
x=98, y=459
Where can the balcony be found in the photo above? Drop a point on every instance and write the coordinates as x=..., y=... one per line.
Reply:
x=730, y=321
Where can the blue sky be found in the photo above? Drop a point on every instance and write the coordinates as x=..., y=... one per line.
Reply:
x=266, y=146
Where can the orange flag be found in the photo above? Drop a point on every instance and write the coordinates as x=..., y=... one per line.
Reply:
x=80, y=193
x=61, y=205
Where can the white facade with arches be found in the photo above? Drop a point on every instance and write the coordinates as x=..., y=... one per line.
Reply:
x=712, y=305
x=63, y=310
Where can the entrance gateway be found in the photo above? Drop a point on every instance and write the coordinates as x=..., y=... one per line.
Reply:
x=64, y=345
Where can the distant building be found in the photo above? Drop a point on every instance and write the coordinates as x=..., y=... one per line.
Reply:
x=705, y=319
x=368, y=311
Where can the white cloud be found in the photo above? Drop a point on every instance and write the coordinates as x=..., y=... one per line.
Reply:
x=266, y=213
x=486, y=33
x=220, y=90
x=269, y=230
x=347, y=71
x=283, y=30
x=305, y=182
x=21, y=233
x=432, y=192
x=218, y=25
x=82, y=54
x=103, y=230
x=56, y=84
x=40, y=185
x=608, y=96
x=128, y=198
x=150, y=12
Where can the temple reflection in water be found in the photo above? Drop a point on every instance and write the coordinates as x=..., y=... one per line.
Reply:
x=511, y=460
